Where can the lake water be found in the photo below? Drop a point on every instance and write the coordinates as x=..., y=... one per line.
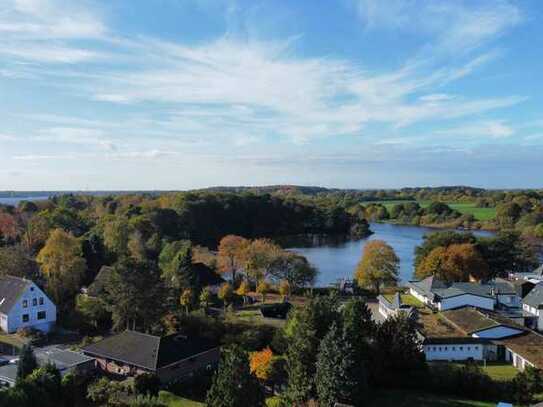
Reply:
x=338, y=259
x=15, y=201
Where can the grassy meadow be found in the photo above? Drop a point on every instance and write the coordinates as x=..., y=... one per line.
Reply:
x=480, y=214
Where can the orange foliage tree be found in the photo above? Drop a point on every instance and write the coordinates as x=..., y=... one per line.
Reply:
x=261, y=364
x=231, y=253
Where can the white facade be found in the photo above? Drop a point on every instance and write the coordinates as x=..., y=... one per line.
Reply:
x=518, y=361
x=454, y=352
x=465, y=300
x=33, y=309
x=420, y=297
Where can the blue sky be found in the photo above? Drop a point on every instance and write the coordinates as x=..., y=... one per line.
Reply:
x=178, y=94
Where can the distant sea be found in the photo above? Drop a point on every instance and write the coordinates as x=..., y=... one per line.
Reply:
x=15, y=200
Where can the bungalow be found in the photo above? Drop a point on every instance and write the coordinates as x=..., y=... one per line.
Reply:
x=524, y=350
x=440, y=296
x=535, y=276
x=66, y=362
x=172, y=358
x=394, y=306
x=471, y=335
x=532, y=306
x=24, y=305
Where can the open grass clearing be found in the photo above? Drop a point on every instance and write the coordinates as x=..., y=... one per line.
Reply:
x=171, y=400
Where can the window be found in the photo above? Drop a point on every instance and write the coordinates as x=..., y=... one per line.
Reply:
x=445, y=348
x=26, y=318
x=461, y=348
x=41, y=300
x=476, y=347
x=41, y=315
x=440, y=348
x=469, y=348
x=34, y=302
x=25, y=303
x=31, y=288
x=453, y=348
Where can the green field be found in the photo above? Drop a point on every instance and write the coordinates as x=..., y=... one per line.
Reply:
x=499, y=371
x=480, y=214
x=171, y=400
x=401, y=398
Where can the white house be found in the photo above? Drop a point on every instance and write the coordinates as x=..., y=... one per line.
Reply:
x=532, y=307
x=436, y=294
x=454, y=349
x=393, y=306
x=24, y=305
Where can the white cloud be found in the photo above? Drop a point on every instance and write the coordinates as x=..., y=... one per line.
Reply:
x=450, y=26
x=42, y=30
x=494, y=129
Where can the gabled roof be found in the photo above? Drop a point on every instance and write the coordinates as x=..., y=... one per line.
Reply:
x=428, y=285
x=148, y=351
x=534, y=297
x=11, y=288
x=528, y=346
x=470, y=320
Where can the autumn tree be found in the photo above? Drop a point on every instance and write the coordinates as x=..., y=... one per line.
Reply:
x=186, y=299
x=205, y=298
x=378, y=267
x=263, y=288
x=226, y=293
x=261, y=364
x=63, y=266
x=260, y=257
x=243, y=290
x=457, y=262
x=231, y=253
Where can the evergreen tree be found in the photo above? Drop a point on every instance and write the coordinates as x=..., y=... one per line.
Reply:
x=27, y=362
x=233, y=384
x=337, y=376
x=301, y=355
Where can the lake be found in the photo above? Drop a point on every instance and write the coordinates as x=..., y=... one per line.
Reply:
x=15, y=200
x=337, y=258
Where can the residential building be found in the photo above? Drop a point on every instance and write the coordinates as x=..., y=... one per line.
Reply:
x=535, y=276
x=66, y=362
x=393, y=306
x=172, y=358
x=24, y=305
x=441, y=296
x=532, y=306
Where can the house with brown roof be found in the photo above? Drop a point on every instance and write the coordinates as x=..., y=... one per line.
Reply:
x=172, y=358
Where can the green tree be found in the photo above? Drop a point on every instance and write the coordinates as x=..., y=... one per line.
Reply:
x=293, y=268
x=27, y=362
x=441, y=239
x=92, y=310
x=176, y=268
x=147, y=384
x=233, y=384
x=336, y=378
x=378, y=267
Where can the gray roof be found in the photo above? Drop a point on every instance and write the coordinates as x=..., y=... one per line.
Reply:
x=11, y=288
x=148, y=351
x=8, y=373
x=535, y=297
x=428, y=285
x=61, y=358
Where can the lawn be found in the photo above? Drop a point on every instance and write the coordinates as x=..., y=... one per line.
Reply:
x=407, y=299
x=401, y=398
x=480, y=214
x=171, y=400
x=499, y=371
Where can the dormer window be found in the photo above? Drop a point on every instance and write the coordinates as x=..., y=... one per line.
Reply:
x=25, y=303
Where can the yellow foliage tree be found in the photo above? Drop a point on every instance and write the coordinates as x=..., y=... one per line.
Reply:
x=263, y=288
x=378, y=267
x=62, y=264
x=243, y=289
x=186, y=299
